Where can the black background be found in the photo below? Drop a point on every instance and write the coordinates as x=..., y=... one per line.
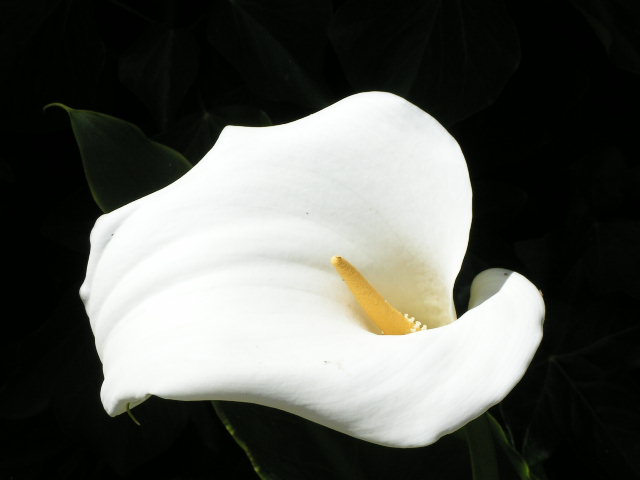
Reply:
x=542, y=96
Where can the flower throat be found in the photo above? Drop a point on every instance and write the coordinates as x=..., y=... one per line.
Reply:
x=385, y=316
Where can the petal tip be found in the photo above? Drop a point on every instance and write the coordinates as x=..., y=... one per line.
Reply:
x=491, y=281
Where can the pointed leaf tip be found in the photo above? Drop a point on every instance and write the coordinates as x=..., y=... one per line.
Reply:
x=120, y=162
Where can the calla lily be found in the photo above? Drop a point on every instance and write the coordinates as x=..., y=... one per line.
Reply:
x=220, y=286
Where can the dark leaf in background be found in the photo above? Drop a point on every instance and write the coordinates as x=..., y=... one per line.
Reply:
x=617, y=24
x=49, y=49
x=496, y=208
x=450, y=57
x=19, y=23
x=79, y=412
x=574, y=412
x=592, y=397
x=397, y=36
x=39, y=361
x=608, y=181
x=58, y=376
x=612, y=260
x=120, y=162
x=159, y=68
x=278, y=47
x=69, y=221
x=283, y=446
x=596, y=248
x=195, y=134
x=518, y=463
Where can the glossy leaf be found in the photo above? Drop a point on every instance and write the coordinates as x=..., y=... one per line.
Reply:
x=451, y=58
x=120, y=162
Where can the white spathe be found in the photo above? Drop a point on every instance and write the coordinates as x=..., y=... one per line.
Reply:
x=220, y=286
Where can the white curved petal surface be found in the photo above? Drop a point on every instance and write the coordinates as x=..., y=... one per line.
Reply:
x=220, y=285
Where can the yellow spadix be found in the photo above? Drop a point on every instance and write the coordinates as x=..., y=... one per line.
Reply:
x=386, y=317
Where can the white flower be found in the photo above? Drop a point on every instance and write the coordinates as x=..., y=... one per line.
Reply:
x=220, y=286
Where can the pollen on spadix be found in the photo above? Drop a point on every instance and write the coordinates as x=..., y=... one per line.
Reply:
x=385, y=316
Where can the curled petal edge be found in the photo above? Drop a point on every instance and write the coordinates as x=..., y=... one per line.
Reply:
x=475, y=361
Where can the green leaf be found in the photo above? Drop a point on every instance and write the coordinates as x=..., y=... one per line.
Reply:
x=159, y=68
x=282, y=446
x=518, y=462
x=484, y=465
x=616, y=24
x=195, y=134
x=451, y=58
x=278, y=47
x=120, y=162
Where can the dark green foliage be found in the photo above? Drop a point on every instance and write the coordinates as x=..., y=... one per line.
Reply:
x=51, y=50
x=195, y=134
x=120, y=162
x=159, y=68
x=283, y=446
x=451, y=57
x=278, y=47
